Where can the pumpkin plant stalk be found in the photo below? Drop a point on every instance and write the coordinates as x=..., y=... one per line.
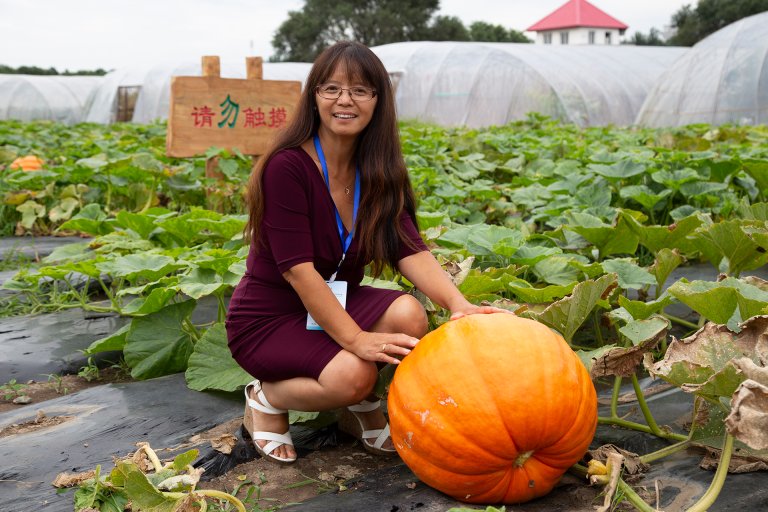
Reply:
x=681, y=321
x=709, y=497
x=664, y=452
x=219, y=495
x=631, y=496
x=615, y=396
x=644, y=407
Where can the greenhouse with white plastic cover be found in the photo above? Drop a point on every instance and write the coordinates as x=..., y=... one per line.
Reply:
x=722, y=79
x=483, y=84
x=55, y=98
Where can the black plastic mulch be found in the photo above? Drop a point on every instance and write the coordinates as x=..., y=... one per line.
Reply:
x=106, y=421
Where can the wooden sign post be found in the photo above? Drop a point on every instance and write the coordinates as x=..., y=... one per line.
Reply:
x=227, y=113
x=235, y=114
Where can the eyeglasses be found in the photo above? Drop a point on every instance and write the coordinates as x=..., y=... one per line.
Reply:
x=357, y=93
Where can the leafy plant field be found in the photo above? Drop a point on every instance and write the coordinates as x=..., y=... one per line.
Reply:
x=579, y=229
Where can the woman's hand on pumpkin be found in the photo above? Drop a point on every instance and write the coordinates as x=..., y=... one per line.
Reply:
x=383, y=347
x=471, y=309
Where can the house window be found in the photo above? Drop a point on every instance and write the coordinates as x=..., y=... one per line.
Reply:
x=563, y=37
x=607, y=38
x=591, y=37
x=548, y=38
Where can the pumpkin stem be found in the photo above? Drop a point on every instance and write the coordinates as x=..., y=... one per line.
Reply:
x=520, y=460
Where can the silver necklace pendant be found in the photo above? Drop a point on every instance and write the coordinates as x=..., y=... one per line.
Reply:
x=346, y=190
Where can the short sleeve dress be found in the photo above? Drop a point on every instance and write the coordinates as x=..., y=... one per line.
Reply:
x=266, y=320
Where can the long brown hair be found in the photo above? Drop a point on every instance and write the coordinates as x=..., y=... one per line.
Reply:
x=385, y=188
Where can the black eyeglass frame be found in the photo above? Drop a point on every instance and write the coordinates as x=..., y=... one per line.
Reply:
x=349, y=91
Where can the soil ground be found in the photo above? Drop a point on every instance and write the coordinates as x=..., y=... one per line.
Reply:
x=263, y=486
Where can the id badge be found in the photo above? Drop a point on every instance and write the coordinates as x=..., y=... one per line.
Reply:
x=339, y=289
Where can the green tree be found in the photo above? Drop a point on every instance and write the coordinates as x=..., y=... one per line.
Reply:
x=653, y=38
x=694, y=24
x=34, y=70
x=446, y=28
x=483, y=31
x=372, y=22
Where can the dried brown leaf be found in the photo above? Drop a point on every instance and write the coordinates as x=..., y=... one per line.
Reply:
x=623, y=362
x=72, y=479
x=748, y=420
x=632, y=463
x=738, y=463
x=224, y=443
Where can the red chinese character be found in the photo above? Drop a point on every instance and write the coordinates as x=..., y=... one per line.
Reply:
x=277, y=117
x=254, y=118
x=203, y=116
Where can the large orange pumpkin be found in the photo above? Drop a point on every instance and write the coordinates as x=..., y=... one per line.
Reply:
x=492, y=409
x=27, y=163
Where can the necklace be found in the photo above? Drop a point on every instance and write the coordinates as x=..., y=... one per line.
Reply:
x=346, y=190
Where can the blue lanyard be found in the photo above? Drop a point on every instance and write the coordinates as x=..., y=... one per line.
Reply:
x=345, y=242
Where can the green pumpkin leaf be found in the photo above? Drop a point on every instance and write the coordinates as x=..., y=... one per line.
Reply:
x=630, y=275
x=556, y=270
x=567, y=315
x=640, y=331
x=487, y=240
x=758, y=169
x=528, y=293
x=673, y=236
x=63, y=210
x=182, y=460
x=156, y=344
x=30, y=212
x=155, y=301
x=701, y=188
x=428, y=220
x=666, y=261
x=644, y=195
x=201, y=282
x=641, y=310
x=710, y=299
x=619, y=171
x=532, y=254
x=141, y=224
x=211, y=365
x=140, y=266
x=115, y=341
x=609, y=239
x=672, y=180
x=145, y=496
x=90, y=219
x=70, y=252
x=729, y=248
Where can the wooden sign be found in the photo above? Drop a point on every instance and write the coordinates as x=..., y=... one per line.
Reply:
x=227, y=113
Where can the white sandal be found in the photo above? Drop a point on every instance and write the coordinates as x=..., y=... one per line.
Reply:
x=275, y=440
x=352, y=424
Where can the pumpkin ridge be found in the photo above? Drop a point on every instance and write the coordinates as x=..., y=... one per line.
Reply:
x=576, y=426
x=492, y=399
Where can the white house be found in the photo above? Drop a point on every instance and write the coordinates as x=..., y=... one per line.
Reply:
x=578, y=22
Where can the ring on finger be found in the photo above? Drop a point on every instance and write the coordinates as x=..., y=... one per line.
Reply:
x=383, y=348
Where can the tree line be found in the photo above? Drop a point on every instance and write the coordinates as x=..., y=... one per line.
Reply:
x=321, y=23
x=692, y=24
x=34, y=70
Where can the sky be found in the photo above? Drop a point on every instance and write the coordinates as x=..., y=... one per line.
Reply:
x=113, y=34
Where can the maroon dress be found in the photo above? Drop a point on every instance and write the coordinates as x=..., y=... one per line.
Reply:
x=266, y=321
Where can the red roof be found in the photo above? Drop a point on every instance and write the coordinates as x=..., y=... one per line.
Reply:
x=577, y=13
